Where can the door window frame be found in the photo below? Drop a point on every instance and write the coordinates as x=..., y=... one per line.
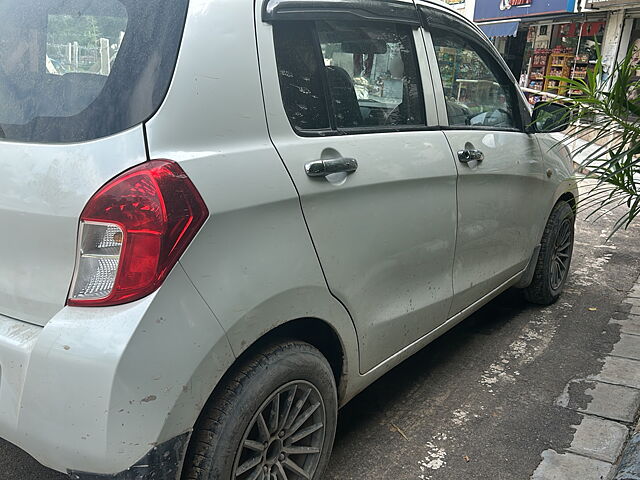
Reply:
x=394, y=11
x=428, y=98
x=435, y=18
x=398, y=12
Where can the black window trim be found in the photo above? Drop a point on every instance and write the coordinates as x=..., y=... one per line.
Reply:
x=330, y=129
x=431, y=18
x=397, y=11
x=334, y=130
x=480, y=128
x=331, y=112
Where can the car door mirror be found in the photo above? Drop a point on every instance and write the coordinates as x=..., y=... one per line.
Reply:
x=550, y=117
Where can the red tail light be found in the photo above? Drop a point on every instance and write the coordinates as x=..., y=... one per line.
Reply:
x=132, y=233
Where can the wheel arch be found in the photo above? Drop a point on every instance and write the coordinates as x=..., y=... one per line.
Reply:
x=569, y=198
x=527, y=276
x=314, y=331
x=318, y=333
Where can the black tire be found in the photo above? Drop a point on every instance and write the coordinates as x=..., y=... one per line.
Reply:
x=556, y=246
x=281, y=372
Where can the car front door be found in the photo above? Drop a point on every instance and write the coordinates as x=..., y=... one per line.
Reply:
x=348, y=114
x=501, y=181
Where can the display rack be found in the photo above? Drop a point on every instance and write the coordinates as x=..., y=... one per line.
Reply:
x=579, y=71
x=559, y=65
x=538, y=70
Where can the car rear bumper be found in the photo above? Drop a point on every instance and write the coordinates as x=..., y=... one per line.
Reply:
x=103, y=390
x=163, y=462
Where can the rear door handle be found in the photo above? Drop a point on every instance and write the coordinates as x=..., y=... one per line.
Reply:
x=466, y=156
x=322, y=168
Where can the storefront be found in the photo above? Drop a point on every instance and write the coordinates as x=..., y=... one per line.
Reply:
x=623, y=30
x=550, y=39
x=561, y=50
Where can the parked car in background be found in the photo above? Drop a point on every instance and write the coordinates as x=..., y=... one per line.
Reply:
x=222, y=219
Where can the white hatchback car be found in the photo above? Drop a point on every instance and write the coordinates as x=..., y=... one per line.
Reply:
x=222, y=219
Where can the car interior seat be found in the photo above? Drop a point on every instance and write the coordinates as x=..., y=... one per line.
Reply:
x=345, y=101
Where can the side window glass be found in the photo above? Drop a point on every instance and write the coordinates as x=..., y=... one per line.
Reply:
x=477, y=92
x=372, y=74
x=300, y=73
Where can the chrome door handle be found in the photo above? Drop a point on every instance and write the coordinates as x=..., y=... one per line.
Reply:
x=322, y=168
x=466, y=156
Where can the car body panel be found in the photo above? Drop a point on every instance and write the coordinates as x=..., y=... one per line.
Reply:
x=360, y=382
x=261, y=270
x=43, y=189
x=111, y=377
x=503, y=200
x=397, y=286
x=501, y=210
x=559, y=166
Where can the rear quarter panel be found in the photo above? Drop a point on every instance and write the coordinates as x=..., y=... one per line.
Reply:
x=253, y=262
x=43, y=189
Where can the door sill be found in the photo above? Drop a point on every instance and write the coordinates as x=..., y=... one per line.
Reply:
x=407, y=351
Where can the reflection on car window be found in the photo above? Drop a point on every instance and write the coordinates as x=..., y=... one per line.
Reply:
x=84, y=43
x=372, y=74
x=368, y=71
x=300, y=74
x=476, y=93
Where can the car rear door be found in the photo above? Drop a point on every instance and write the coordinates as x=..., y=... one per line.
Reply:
x=501, y=181
x=343, y=94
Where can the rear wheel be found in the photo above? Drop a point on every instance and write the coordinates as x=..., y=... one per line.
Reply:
x=554, y=260
x=275, y=419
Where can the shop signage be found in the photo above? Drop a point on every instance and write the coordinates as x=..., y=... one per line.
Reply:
x=487, y=10
x=610, y=3
x=507, y=4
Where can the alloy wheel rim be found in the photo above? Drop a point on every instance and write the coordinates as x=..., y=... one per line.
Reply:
x=284, y=439
x=561, y=256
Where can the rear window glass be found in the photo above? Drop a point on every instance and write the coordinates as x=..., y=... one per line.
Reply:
x=77, y=70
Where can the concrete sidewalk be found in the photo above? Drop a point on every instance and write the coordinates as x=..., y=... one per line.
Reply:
x=581, y=153
x=609, y=417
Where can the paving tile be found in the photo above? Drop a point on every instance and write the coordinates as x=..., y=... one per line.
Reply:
x=613, y=401
x=630, y=327
x=568, y=466
x=621, y=371
x=598, y=438
x=628, y=346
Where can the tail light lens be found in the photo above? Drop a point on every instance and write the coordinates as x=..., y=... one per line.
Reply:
x=132, y=233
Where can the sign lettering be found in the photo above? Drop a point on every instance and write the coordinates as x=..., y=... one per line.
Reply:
x=507, y=4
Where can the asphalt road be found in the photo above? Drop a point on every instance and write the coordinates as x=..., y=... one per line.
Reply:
x=480, y=402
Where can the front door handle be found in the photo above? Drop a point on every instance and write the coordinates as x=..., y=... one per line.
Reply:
x=466, y=156
x=322, y=168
